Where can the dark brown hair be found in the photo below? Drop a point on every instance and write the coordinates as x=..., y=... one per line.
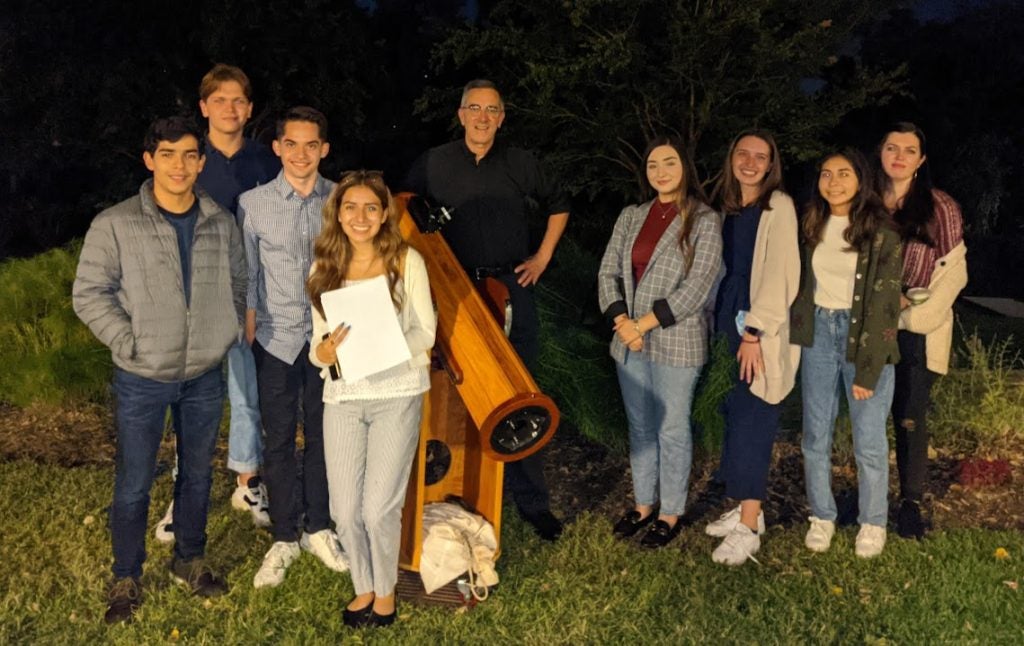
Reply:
x=918, y=208
x=727, y=195
x=866, y=212
x=689, y=197
x=333, y=250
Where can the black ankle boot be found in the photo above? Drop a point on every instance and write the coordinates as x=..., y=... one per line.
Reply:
x=909, y=523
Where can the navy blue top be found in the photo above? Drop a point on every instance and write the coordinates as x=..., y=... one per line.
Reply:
x=739, y=234
x=225, y=178
x=185, y=227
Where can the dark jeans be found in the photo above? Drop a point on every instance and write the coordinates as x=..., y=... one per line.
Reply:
x=282, y=386
x=751, y=424
x=525, y=478
x=910, y=403
x=141, y=409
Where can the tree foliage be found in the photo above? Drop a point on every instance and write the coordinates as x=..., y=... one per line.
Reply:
x=591, y=80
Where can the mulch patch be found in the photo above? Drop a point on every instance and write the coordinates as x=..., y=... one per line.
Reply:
x=582, y=475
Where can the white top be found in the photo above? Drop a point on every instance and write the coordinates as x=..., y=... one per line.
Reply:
x=419, y=324
x=835, y=267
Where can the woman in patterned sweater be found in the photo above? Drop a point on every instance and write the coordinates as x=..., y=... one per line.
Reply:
x=934, y=257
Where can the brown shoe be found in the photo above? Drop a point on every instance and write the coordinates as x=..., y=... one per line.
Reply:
x=123, y=598
x=198, y=577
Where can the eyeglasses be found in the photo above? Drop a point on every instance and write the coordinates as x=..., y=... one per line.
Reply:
x=475, y=108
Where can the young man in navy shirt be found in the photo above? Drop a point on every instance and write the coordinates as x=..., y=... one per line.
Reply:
x=235, y=164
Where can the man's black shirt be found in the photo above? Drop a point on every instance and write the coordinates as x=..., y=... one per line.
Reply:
x=491, y=200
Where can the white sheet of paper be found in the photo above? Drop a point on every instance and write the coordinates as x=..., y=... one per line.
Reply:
x=375, y=341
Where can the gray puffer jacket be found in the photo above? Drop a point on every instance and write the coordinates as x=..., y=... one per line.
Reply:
x=129, y=291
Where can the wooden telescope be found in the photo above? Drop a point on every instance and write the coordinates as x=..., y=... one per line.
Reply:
x=483, y=408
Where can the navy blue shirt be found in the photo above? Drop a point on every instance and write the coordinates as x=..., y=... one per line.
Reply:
x=739, y=234
x=225, y=178
x=185, y=227
x=492, y=199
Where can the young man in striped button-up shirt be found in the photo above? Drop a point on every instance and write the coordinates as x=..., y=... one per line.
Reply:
x=280, y=223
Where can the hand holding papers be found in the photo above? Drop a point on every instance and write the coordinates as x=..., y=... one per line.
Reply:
x=375, y=341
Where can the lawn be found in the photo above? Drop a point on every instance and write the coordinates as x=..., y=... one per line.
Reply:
x=587, y=588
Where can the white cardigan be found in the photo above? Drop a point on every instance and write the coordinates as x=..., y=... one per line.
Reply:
x=934, y=317
x=774, y=283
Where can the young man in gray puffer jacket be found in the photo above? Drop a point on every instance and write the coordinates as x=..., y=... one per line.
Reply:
x=161, y=281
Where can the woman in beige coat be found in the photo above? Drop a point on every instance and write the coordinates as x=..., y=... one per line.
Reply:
x=934, y=272
x=762, y=277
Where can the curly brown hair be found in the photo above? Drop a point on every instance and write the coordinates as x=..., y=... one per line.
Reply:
x=333, y=250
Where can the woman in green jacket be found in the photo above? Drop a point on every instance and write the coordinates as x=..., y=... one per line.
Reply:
x=845, y=316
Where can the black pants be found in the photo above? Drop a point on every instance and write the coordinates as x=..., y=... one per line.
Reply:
x=910, y=403
x=751, y=425
x=282, y=386
x=525, y=478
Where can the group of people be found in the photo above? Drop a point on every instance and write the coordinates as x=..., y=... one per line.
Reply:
x=858, y=295
x=226, y=252
x=228, y=249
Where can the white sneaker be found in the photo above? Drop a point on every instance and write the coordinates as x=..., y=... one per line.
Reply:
x=727, y=521
x=278, y=558
x=252, y=497
x=870, y=541
x=819, y=536
x=325, y=546
x=164, y=531
x=738, y=546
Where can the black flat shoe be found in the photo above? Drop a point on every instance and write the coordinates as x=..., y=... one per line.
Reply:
x=547, y=526
x=357, y=618
x=630, y=523
x=381, y=621
x=660, y=534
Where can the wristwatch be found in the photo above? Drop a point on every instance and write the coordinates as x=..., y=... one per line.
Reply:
x=752, y=331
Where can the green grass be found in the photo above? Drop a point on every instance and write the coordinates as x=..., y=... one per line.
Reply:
x=48, y=355
x=587, y=588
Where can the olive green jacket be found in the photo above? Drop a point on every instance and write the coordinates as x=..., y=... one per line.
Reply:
x=875, y=311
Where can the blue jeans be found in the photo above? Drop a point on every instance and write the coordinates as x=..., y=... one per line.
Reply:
x=141, y=412
x=825, y=373
x=245, y=442
x=657, y=399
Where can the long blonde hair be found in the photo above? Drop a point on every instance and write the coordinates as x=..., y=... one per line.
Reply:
x=333, y=250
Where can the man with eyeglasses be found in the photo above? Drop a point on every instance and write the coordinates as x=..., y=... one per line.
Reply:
x=234, y=164
x=491, y=188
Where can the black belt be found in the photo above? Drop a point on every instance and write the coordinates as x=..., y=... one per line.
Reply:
x=479, y=273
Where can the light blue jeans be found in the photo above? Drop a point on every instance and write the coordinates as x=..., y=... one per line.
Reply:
x=657, y=399
x=245, y=442
x=825, y=373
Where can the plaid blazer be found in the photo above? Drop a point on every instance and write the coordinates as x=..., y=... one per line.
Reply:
x=678, y=301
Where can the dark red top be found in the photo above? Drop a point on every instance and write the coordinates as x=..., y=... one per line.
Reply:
x=658, y=219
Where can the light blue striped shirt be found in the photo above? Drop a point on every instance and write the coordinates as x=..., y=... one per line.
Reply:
x=280, y=227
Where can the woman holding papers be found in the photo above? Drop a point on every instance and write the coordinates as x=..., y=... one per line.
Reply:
x=371, y=423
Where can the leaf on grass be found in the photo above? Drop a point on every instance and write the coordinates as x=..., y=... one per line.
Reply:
x=1001, y=554
x=836, y=591
x=1013, y=585
x=89, y=520
x=175, y=634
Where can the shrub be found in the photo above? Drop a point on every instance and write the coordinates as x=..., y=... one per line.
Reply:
x=574, y=366
x=716, y=381
x=979, y=409
x=48, y=355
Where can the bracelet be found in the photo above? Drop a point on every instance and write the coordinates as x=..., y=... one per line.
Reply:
x=754, y=341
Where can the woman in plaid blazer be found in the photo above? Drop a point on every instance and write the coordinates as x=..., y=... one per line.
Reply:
x=655, y=278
